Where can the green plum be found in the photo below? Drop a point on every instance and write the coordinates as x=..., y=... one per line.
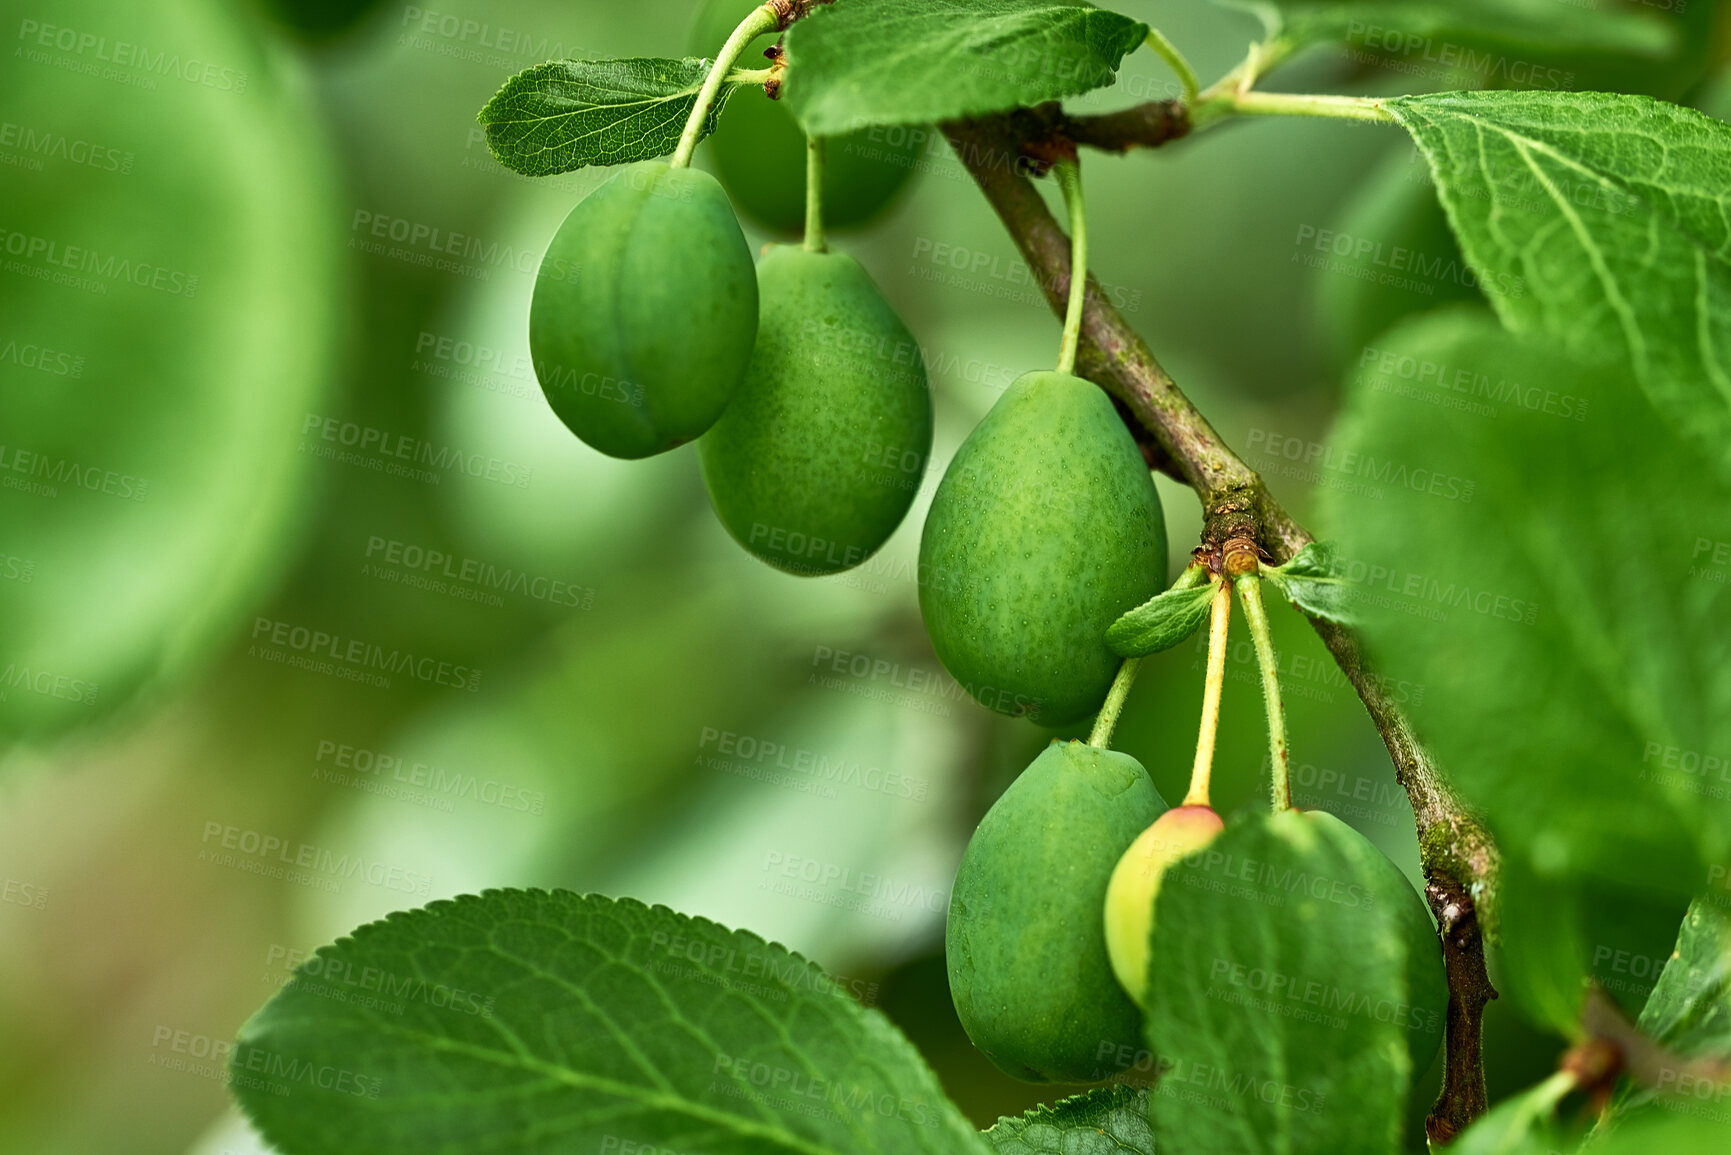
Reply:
x=645, y=311
x=1023, y=944
x=1174, y=836
x=817, y=459
x=1045, y=529
x=758, y=149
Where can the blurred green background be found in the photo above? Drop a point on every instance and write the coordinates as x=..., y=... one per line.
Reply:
x=265, y=405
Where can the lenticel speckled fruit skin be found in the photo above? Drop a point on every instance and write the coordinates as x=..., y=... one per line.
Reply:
x=1045, y=529
x=1024, y=944
x=817, y=459
x=645, y=311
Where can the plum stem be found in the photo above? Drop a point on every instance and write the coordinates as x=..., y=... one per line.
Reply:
x=761, y=20
x=1175, y=60
x=1203, y=769
x=1107, y=720
x=1250, y=593
x=1069, y=174
x=814, y=241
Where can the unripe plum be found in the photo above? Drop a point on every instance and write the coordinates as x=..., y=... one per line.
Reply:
x=1026, y=957
x=818, y=457
x=1175, y=835
x=645, y=311
x=1045, y=529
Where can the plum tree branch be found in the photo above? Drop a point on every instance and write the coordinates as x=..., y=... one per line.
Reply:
x=1148, y=125
x=1458, y=856
x=788, y=12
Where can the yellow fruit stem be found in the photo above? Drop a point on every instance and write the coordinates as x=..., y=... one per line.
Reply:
x=1250, y=593
x=1069, y=174
x=760, y=21
x=1203, y=769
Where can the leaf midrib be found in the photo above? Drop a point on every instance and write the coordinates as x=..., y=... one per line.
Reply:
x=561, y=1073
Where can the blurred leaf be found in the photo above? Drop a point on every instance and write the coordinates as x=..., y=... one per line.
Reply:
x=1315, y=583
x=1689, y=1010
x=525, y=1019
x=1675, y=75
x=1108, y=1121
x=922, y=61
x=1603, y=222
x=1404, y=258
x=1522, y=1124
x=1543, y=25
x=322, y=20
x=1542, y=564
x=566, y=114
x=1161, y=622
x=184, y=287
x=1292, y=975
x=1714, y=98
x=1655, y=1133
x=1557, y=932
x=573, y=712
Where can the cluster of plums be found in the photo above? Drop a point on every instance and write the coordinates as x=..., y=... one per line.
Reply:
x=1052, y=911
x=814, y=427
x=651, y=327
x=1049, y=941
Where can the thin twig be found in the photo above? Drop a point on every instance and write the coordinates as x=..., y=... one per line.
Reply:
x=1147, y=125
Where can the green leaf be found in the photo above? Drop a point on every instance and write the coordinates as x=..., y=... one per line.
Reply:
x=1655, y=1133
x=1161, y=622
x=169, y=326
x=1522, y=1124
x=1550, y=565
x=1604, y=223
x=1557, y=932
x=868, y=62
x=1293, y=975
x=566, y=114
x=527, y=1021
x=1107, y=1121
x=1316, y=584
x=1525, y=1125
x=1689, y=1011
x=1426, y=28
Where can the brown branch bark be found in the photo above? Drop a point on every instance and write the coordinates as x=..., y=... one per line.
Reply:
x=1141, y=126
x=1458, y=856
x=789, y=12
